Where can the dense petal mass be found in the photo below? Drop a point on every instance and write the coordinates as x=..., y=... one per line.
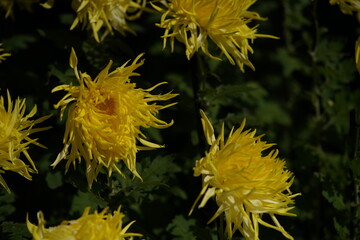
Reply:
x=246, y=184
x=224, y=22
x=15, y=128
x=90, y=226
x=105, y=117
x=110, y=14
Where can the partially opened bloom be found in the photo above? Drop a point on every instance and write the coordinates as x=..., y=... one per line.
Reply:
x=3, y=56
x=110, y=14
x=224, y=22
x=90, y=226
x=105, y=117
x=348, y=6
x=15, y=128
x=246, y=184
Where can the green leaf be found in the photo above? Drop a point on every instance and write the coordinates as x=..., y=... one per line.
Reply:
x=54, y=179
x=86, y=199
x=336, y=199
x=15, y=231
x=6, y=204
x=343, y=231
x=180, y=227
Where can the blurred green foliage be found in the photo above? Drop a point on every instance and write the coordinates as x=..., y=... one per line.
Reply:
x=304, y=95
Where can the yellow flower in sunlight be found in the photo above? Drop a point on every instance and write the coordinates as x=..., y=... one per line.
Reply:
x=193, y=22
x=104, y=120
x=246, y=183
x=3, y=56
x=15, y=128
x=348, y=6
x=110, y=14
x=95, y=226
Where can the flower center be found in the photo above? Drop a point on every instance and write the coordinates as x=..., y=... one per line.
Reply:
x=108, y=106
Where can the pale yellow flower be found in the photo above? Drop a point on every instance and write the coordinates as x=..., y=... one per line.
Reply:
x=348, y=6
x=15, y=128
x=224, y=22
x=108, y=14
x=3, y=56
x=105, y=117
x=246, y=184
x=95, y=226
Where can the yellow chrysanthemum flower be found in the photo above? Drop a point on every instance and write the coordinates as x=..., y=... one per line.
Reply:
x=95, y=226
x=348, y=6
x=15, y=128
x=110, y=14
x=193, y=22
x=3, y=56
x=104, y=120
x=245, y=183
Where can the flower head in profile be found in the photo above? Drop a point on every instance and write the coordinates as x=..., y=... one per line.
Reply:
x=90, y=226
x=348, y=7
x=224, y=22
x=3, y=56
x=105, y=117
x=15, y=129
x=246, y=184
x=110, y=14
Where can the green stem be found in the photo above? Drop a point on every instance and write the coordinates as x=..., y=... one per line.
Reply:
x=220, y=228
x=198, y=77
x=355, y=210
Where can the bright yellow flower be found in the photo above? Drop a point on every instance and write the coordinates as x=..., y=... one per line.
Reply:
x=104, y=120
x=193, y=22
x=110, y=14
x=3, y=56
x=348, y=6
x=246, y=183
x=15, y=128
x=95, y=226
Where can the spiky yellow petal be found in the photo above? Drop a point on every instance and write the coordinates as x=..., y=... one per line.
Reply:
x=90, y=226
x=348, y=7
x=224, y=22
x=246, y=184
x=108, y=14
x=15, y=128
x=105, y=116
x=3, y=56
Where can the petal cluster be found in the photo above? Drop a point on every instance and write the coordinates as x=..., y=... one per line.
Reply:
x=105, y=117
x=15, y=128
x=108, y=14
x=224, y=22
x=90, y=226
x=348, y=7
x=246, y=184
